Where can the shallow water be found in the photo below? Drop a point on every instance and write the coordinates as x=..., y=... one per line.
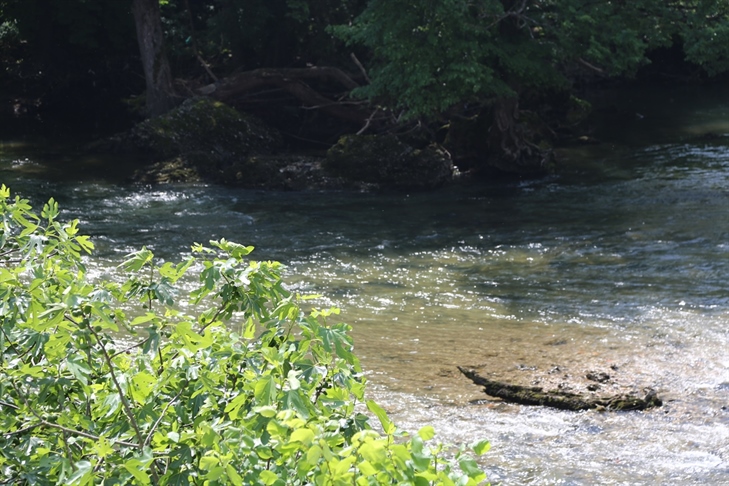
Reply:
x=617, y=264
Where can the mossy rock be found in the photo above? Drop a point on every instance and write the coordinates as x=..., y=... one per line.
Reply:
x=201, y=140
x=285, y=172
x=387, y=162
x=202, y=125
x=169, y=171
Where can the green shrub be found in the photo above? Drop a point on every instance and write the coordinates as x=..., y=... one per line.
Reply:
x=111, y=382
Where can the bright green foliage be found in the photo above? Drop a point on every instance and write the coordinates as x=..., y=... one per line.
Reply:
x=430, y=56
x=110, y=381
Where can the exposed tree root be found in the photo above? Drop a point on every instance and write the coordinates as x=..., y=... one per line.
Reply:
x=295, y=81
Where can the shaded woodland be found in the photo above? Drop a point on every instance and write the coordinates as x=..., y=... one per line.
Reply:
x=494, y=83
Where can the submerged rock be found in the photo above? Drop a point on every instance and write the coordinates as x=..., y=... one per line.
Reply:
x=385, y=161
x=562, y=399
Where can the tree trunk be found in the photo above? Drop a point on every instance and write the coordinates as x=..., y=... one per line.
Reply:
x=157, y=74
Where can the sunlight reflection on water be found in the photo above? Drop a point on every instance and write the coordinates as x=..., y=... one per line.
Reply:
x=617, y=265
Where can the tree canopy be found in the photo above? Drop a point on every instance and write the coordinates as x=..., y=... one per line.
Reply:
x=427, y=57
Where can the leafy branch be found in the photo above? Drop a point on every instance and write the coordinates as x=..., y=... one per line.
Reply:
x=271, y=404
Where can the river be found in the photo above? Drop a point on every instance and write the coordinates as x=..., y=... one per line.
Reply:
x=617, y=264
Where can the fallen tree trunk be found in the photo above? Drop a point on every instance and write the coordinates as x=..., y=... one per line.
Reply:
x=295, y=82
x=525, y=395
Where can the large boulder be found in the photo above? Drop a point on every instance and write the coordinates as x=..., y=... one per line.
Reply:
x=199, y=125
x=387, y=162
x=201, y=140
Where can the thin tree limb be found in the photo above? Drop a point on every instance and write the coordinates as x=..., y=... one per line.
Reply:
x=46, y=423
x=591, y=66
x=162, y=414
x=361, y=67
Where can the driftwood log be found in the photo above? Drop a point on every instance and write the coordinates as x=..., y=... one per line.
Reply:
x=525, y=395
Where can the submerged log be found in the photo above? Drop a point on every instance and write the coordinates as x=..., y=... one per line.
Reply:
x=525, y=395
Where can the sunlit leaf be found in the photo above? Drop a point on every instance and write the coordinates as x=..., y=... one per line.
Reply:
x=138, y=259
x=427, y=432
x=78, y=366
x=380, y=413
x=481, y=447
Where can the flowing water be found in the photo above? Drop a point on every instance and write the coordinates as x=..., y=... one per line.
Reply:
x=619, y=264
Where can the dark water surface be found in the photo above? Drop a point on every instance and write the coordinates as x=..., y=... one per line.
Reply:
x=618, y=264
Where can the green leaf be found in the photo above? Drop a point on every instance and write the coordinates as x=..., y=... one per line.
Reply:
x=234, y=406
x=305, y=436
x=215, y=473
x=292, y=381
x=267, y=411
x=380, y=413
x=50, y=209
x=57, y=344
x=374, y=451
x=85, y=244
x=136, y=468
x=233, y=476
x=103, y=447
x=313, y=454
x=470, y=467
x=481, y=447
x=208, y=462
x=174, y=272
x=293, y=400
x=426, y=433
x=337, y=341
x=250, y=330
x=236, y=250
x=265, y=390
x=268, y=477
x=138, y=259
x=366, y=468
x=278, y=409
x=149, y=316
x=193, y=341
x=164, y=292
x=79, y=367
x=142, y=385
x=6, y=275
x=83, y=475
